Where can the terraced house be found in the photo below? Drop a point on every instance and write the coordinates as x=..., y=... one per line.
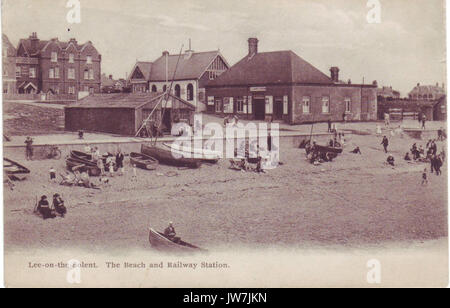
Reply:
x=52, y=66
x=194, y=71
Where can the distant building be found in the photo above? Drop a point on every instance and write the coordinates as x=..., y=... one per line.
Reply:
x=194, y=70
x=388, y=93
x=9, y=66
x=282, y=86
x=57, y=67
x=424, y=92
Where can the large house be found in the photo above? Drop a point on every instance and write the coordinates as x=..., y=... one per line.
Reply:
x=427, y=92
x=193, y=71
x=8, y=65
x=282, y=86
x=52, y=66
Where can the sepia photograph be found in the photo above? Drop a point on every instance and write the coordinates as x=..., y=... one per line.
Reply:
x=224, y=144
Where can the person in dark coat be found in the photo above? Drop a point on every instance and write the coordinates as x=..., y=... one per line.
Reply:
x=385, y=143
x=58, y=205
x=29, y=148
x=119, y=161
x=329, y=125
x=44, y=208
x=170, y=233
x=390, y=160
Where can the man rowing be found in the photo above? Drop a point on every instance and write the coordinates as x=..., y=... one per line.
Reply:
x=170, y=233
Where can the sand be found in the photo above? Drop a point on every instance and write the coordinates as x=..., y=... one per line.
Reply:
x=353, y=201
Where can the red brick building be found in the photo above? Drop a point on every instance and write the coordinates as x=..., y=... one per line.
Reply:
x=280, y=85
x=44, y=66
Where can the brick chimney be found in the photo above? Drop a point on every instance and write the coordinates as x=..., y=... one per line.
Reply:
x=252, y=46
x=34, y=41
x=334, y=73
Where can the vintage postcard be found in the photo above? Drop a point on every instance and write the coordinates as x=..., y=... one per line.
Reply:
x=200, y=144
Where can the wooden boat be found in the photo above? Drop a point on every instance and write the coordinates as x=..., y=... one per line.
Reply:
x=143, y=161
x=12, y=167
x=80, y=155
x=205, y=155
x=90, y=167
x=160, y=242
x=328, y=149
x=166, y=156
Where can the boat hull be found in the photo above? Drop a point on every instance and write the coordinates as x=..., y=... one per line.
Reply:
x=165, y=156
x=159, y=241
x=208, y=156
x=12, y=167
x=143, y=161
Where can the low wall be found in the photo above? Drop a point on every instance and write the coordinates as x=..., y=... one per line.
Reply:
x=421, y=134
x=134, y=144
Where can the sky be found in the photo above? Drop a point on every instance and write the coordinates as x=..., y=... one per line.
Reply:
x=407, y=46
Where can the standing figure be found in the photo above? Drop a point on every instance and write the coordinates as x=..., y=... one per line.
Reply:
x=385, y=143
x=424, y=119
x=52, y=172
x=29, y=148
x=119, y=161
x=44, y=208
x=329, y=126
x=424, y=177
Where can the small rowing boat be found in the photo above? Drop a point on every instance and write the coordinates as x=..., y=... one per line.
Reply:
x=12, y=167
x=166, y=156
x=159, y=241
x=143, y=161
x=209, y=156
x=90, y=167
x=329, y=149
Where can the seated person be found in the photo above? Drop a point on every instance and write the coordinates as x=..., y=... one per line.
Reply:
x=390, y=160
x=44, y=208
x=407, y=156
x=67, y=179
x=356, y=151
x=58, y=205
x=170, y=233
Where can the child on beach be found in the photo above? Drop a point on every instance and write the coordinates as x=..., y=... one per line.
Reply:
x=134, y=176
x=52, y=172
x=424, y=177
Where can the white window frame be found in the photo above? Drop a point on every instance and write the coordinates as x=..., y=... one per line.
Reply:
x=54, y=56
x=91, y=74
x=269, y=104
x=71, y=90
x=71, y=58
x=326, y=104
x=18, y=71
x=89, y=59
x=71, y=73
x=285, y=105
x=240, y=105
x=56, y=72
x=32, y=72
x=348, y=105
x=218, y=105
x=306, y=104
x=86, y=74
x=51, y=73
x=210, y=100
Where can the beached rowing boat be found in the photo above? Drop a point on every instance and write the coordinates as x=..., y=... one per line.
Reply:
x=12, y=167
x=328, y=149
x=159, y=241
x=80, y=155
x=205, y=155
x=90, y=167
x=165, y=156
x=143, y=161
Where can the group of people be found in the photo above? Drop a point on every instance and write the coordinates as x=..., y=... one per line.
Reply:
x=51, y=211
x=429, y=154
x=106, y=162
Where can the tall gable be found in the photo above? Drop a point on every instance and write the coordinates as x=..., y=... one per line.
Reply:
x=190, y=66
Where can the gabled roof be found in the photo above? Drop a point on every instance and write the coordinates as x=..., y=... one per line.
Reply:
x=123, y=100
x=42, y=44
x=145, y=67
x=427, y=89
x=189, y=67
x=276, y=67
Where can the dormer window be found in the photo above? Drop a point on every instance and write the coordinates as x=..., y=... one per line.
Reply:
x=89, y=59
x=54, y=57
x=71, y=58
